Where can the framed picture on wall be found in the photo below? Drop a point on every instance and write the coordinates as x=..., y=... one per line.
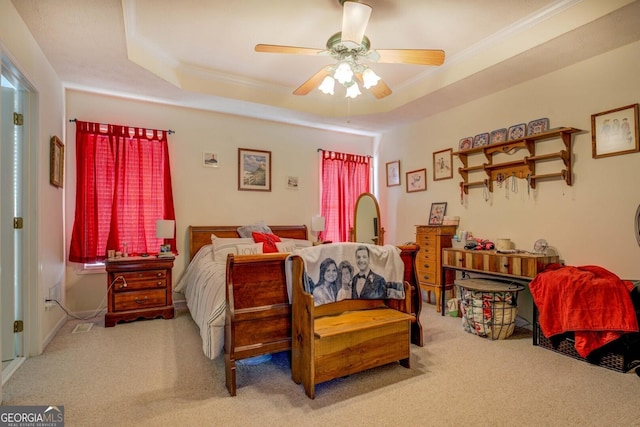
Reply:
x=442, y=161
x=436, y=215
x=56, y=169
x=210, y=159
x=615, y=132
x=254, y=170
x=293, y=182
x=393, y=173
x=416, y=180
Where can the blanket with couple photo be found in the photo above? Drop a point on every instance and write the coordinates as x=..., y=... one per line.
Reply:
x=334, y=272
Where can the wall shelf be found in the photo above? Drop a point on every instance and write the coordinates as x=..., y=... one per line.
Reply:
x=524, y=168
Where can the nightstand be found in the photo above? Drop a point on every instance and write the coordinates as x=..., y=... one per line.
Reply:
x=138, y=287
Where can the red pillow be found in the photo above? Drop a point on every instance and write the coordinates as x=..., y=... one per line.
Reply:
x=268, y=241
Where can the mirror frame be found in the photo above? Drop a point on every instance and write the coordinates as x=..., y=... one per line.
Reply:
x=354, y=230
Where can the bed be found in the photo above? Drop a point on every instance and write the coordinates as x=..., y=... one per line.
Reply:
x=257, y=319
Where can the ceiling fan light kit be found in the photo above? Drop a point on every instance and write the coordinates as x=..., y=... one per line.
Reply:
x=347, y=47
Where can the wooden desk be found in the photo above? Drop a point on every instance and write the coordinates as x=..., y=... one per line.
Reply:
x=521, y=266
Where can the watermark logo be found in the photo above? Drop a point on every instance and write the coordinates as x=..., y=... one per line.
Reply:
x=32, y=416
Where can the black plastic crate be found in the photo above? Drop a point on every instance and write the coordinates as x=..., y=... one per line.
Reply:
x=621, y=355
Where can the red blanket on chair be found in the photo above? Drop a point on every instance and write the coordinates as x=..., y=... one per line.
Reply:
x=590, y=301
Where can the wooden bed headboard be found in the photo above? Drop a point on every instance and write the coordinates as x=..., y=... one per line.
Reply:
x=200, y=235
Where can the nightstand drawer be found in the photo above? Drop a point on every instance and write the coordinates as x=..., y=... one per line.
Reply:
x=140, y=299
x=131, y=276
x=122, y=286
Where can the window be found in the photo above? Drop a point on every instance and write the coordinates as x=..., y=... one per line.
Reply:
x=344, y=178
x=123, y=187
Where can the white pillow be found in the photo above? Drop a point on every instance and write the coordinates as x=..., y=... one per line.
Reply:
x=295, y=243
x=288, y=246
x=222, y=246
x=250, y=249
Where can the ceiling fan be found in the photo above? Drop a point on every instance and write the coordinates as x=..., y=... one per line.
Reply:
x=348, y=47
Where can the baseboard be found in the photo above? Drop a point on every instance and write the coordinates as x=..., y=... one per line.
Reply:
x=53, y=332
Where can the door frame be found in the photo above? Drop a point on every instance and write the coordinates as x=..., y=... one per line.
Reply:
x=30, y=308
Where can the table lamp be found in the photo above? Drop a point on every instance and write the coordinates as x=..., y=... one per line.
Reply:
x=317, y=226
x=165, y=229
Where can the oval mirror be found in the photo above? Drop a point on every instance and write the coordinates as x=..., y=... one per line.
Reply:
x=366, y=222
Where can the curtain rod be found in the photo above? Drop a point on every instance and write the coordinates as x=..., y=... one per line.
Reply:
x=169, y=131
x=366, y=155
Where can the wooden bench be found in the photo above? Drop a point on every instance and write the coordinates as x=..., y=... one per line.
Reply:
x=337, y=339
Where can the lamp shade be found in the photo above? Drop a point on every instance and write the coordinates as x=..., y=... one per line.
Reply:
x=355, y=17
x=165, y=228
x=317, y=223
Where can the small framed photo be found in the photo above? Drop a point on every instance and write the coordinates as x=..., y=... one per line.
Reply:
x=436, y=215
x=254, y=170
x=209, y=159
x=615, y=132
x=56, y=169
x=165, y=249
x=393, y=173
x=442, y=161
x=292, y=182
x=416, y=180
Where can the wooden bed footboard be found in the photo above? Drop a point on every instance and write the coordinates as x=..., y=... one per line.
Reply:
x=258, y=313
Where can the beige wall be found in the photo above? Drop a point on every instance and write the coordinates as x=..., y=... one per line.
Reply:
x=590, y=222
x=209, y=196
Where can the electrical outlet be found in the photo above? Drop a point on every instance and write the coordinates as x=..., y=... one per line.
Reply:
x=53, y=295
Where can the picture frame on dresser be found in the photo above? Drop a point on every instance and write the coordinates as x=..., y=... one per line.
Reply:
x=442, y=161
x=615, y=132
x=437, y=212
x=254, y=170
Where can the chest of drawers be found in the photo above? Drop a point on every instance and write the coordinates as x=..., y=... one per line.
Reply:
x=138, y=288
x=431, y=239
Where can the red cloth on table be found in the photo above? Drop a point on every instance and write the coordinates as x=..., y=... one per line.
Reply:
x=590, y=301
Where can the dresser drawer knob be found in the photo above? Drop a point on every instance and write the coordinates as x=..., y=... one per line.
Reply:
x=505, y=265
x=159, y=283
x=425, y=277
x=141, y=301
x=426, y=266
x=159, y=274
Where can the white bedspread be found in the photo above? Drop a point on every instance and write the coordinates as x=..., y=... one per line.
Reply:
x=203, y=285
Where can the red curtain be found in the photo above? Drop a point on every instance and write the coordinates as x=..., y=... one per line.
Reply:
x=123, y=187
x=344, y=178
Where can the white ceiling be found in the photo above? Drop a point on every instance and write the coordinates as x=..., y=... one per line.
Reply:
x=201, y=53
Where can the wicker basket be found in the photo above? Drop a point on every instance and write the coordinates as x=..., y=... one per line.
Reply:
x=489, y=308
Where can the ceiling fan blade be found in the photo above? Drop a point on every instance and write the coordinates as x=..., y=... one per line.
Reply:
x=313, y=82
x=355, y=17
x=295, y=50
x=380, y=90
x=411, y=56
